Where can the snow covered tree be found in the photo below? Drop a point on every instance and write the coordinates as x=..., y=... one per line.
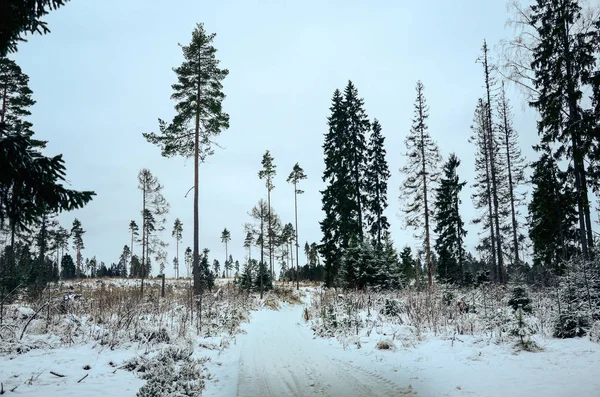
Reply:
x=177, y=234
x=295, y=177
x=134, y=230
x=421, y=175
x=407, y=264
x=351, y=261
x=376, y=175
x=199, y=115
x=154, y=209
x=449, y=228
x=123, y=261
x=248, y=242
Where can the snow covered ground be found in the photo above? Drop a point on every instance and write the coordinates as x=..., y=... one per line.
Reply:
x=280, y=356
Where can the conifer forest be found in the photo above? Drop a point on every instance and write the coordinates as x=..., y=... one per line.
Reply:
x=297, y=199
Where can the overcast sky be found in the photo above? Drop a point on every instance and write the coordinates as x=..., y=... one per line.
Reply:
x=104, y=74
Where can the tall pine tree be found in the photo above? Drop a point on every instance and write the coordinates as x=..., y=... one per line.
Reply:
x=200, y=117
x=295, y=177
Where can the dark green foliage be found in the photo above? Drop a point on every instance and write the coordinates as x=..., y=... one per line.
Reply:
x=377, y=174
x=77, y=232
x=15, y=99
x=571, y=325
x=198, y=93
x=19, y=17
x=407, y=268
x=520, y=297
x=553, y=217
x=564, y=60
x=207, y=278
x=267, y=280
x=67, y=267
x=245, y=280
x=136, y=267
x=346, y=161
x=449, y=227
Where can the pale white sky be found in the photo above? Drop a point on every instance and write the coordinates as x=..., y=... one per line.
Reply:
x=103, y=77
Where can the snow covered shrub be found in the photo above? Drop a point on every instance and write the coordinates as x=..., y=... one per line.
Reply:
x=571, y=325
x=520, y=297
x=172, y=373
x=391, y=307
x=521, y=328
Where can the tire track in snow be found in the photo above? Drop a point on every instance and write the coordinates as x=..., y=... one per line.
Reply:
x=280, y=358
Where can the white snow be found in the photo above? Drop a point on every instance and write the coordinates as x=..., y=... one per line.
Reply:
x=279, y=356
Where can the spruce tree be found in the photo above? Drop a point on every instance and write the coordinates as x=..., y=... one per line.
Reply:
x=563, y=61
x=376, y=176
x=553, y=215
x=421, y=175
x=449, y=227
x=354, y=152
x=295, y=177
x=67, y=267
x=177, y=233
x=200, y=117
x=248, y=241
x=225, y=239
x=335, y=197
x=77, y=232
x=268, y=173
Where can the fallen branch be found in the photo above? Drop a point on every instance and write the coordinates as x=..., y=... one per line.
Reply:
x=56, y=374
x=86, y=375
x=14, y=388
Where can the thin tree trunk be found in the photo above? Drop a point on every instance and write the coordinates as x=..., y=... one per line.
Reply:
x=262, y=250
x=269, y=228
x=296, y=216
x=510, y=180
x=425, y=202
x=4, y=104
x=195, y=269
x=144, y=242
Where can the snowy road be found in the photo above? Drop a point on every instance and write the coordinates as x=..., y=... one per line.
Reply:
x=282, y=359
x=279, y=357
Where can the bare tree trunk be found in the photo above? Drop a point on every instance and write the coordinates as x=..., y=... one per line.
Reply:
x=262, y=251
x=196, y=270
x=510, y=180
x=269, y=229
x=4, y=104
x=144, y=243
x=296, y=216
x=425, y=204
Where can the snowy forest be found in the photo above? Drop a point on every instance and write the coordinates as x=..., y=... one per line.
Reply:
x=355, y=310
